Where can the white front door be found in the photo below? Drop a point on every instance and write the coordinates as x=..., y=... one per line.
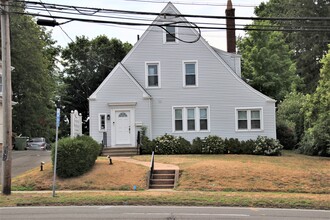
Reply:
x=123, y=127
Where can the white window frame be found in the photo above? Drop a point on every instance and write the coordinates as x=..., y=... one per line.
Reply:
x=105, y=122
x=184, y=62
x=185, y=118
x=146, y=74
x=176, y=36
x=248, y=110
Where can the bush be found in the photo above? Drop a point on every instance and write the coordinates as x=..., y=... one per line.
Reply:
x=75, y=156
x=233, y=146
x=169, y=144
x=213, y=144
x=247, y=147
x=267, y=146
x=147, y=146
x=197, y=146
x=286, y=135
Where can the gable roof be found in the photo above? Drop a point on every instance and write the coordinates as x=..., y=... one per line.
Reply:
x=215, y=51
x=121, y=66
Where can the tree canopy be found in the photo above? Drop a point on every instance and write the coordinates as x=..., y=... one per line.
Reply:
x=267, y=62
x=33, y=82
x=86, y=64
x=308, y=46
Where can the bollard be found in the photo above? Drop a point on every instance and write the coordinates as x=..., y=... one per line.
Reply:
x=110, y=160
x=42, y=166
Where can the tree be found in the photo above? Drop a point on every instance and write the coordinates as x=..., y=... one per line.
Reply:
x=33, y=84
x=290, y=119
x=317, y=115
x=267, y=62
x=309, y=47
x=86, y=64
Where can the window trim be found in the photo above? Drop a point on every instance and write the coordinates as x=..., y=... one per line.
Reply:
x=197, y=118
x=147, y=74
x=105, y=122
x=184, y=62
x=249, y=109
x=176, y=36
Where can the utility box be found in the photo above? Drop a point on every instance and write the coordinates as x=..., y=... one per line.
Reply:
x=20, y=143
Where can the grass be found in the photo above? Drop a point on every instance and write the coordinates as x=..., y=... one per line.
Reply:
x=193, y=198
x=288, y=173
x=119, y=176
x=289, y=181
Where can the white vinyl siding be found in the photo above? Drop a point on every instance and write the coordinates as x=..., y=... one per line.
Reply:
x=249, y=119
x=191, y=119
x=102, y=122
x=152, y=73
x=190, y=73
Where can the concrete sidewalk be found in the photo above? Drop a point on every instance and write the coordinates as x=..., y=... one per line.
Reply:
x=158, y=166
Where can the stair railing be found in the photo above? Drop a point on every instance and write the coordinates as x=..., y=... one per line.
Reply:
x=152, y=163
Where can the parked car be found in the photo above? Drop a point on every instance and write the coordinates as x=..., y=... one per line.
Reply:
x=38, y=143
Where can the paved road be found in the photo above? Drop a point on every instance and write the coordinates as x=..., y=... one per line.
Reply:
x=26, y=160
x=158, y=212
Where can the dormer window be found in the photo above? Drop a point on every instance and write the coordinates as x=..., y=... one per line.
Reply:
x=170, y=34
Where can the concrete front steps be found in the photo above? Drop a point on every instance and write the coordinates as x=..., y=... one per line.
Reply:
x=120, y=151
x=162, y=179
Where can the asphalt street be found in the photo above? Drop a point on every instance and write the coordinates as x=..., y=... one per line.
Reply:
x=25, y=160
x=158, y=212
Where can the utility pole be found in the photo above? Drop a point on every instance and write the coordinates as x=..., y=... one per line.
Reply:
x=6, y=104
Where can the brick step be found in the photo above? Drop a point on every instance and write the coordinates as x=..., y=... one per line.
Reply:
x=162, y=182
x=164, y=172
x=161, y=186
x=163, y=176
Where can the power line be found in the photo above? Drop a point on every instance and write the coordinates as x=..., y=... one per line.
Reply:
x=169, y=24
x=78, y=8
x=191, y=3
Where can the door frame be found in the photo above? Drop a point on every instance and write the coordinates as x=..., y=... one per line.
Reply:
x=131, y=111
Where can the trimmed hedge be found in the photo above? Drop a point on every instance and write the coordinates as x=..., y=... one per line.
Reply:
x=212, y=144
x=75, y=156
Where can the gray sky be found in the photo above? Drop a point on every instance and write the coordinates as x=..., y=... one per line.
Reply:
x=129, y=34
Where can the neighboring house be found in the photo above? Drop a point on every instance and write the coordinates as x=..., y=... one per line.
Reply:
x=184, y=89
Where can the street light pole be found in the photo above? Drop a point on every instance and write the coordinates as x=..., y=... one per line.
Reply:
x=6, y=103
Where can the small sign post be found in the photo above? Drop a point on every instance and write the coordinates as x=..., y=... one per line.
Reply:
x=56, y=139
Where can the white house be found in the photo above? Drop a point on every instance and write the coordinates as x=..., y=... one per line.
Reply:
x=184, y=89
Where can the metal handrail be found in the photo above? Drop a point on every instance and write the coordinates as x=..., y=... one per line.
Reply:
x=152, y=163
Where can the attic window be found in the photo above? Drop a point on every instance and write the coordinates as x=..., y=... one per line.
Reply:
x=170, y=34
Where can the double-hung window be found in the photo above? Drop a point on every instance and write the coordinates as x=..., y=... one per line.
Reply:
x=153, y=75
x=170, y=34
x=178, y=123
x=248, y=119
x=191, y=119
x=102, y=122
x=190, y=73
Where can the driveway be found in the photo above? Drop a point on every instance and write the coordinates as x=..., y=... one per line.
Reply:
x=26, y=160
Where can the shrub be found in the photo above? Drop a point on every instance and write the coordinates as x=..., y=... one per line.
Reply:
x=267, y=146
x=147, y=146
x=213, y=144
x=169, y=144
x=248, y=146
x=286, y=135
x=197, y=146
x=75, y=156
x=233, y=146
